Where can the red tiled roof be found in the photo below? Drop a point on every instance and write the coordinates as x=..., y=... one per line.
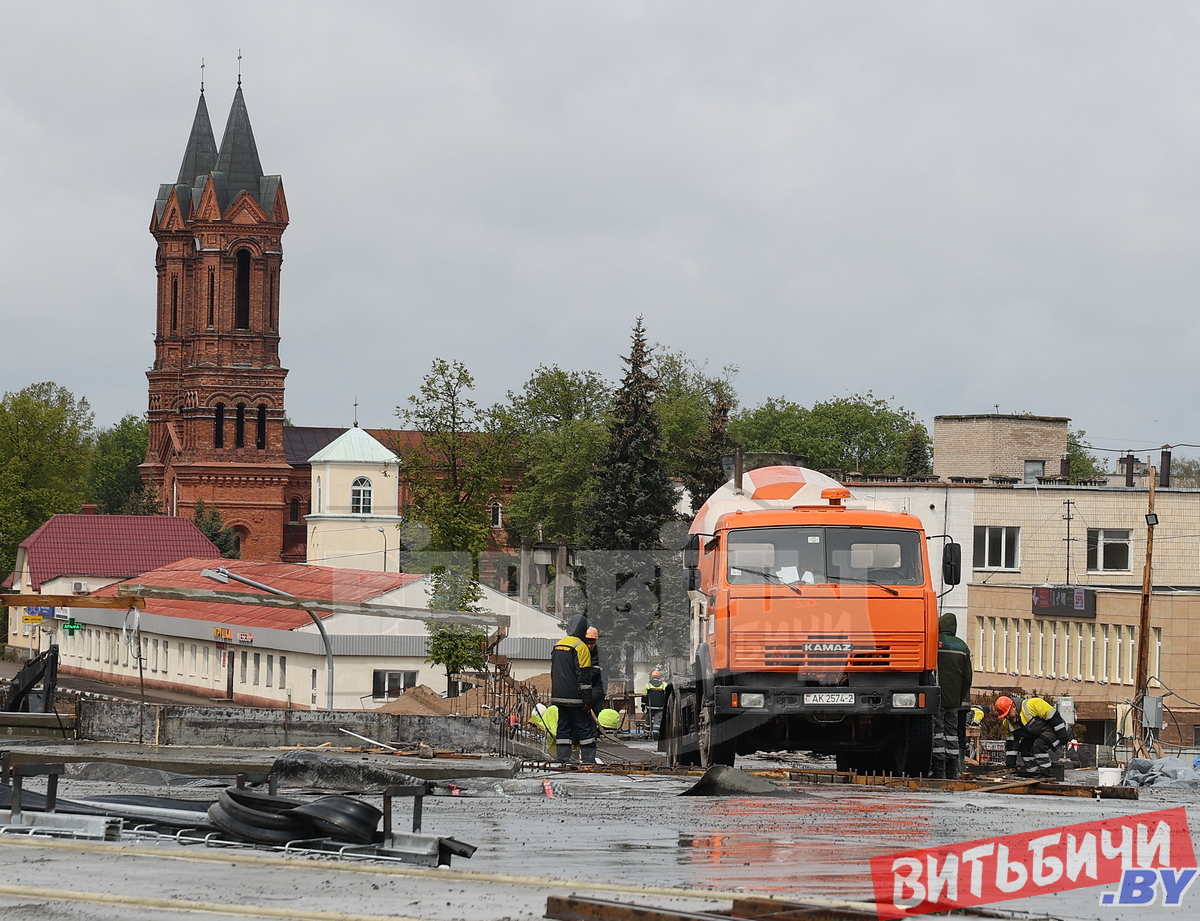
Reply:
x=321, y=582
x=111, y=546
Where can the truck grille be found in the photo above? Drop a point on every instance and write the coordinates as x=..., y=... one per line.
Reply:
x=750, y=651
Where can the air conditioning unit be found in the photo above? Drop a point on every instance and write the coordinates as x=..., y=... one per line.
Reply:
x=79, y=588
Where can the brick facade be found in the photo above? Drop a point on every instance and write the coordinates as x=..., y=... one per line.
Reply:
x=216, y=389
x=994, y=445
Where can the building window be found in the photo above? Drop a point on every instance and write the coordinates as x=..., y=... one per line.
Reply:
x=166, y=650
x=497, y=511
x=257, y=665
x=154, y=656
x=270, y=670
x=360, y=496
x=242, y=291
x=996, y=547
x=239, y=535
x=1107, y=549
x=294, y=512
x=239, y=428
x=318, y=495
x=204, y=662
x=260, y=438
x=212, y=301
x=387, y=685
x=192, y=671
x=245, y=659
x=1034, y=469
x=174, y=302
x=219, y=426
x=314, y=687
x=272, y=281
x=282, y=671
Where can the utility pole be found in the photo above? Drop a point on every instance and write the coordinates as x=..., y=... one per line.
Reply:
x=1143, y=640
x=1067, y=518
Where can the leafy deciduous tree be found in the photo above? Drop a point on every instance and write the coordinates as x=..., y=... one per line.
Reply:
x=114, y=481
x=456, y=647
x=1085, y=464
x=45, y=448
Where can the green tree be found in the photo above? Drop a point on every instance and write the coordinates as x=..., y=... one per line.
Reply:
x=455, y=647
x=917, y=461
x=460, y=463
x=45, y=449
x=114, y=480
x=208, y=520
x=1084, y=464
x=1185, y=472
x=702, y=473
x=634, y=495
x=633, y=498
x=860, y=432
x=558, y=418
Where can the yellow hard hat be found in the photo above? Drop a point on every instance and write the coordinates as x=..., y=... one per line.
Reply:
x=609, y=719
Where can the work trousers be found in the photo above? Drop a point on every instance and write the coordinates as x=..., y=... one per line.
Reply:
x=1034, y=753
x=575, y=725
x=945, y=735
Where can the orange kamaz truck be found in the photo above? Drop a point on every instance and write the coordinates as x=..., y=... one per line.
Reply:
x=813, y=628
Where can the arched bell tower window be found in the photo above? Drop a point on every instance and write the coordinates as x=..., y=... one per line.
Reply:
x=360, y=496
x=219, y=426
x=294, y=515
x=260, y=438
x=174, y=303
x=319, y=496
x=242, y=291
x=497, y=514
x=239, y=428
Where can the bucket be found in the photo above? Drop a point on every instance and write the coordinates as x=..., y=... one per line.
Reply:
x=1109, y=777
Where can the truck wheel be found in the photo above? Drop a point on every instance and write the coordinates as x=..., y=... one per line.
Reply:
x=918, y=747
x=672, y=732
x=714, y=748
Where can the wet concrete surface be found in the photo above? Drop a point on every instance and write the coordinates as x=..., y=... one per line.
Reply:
x=607, y=836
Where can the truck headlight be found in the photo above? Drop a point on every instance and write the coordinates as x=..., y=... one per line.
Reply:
x=754, y=701
x=904, y=701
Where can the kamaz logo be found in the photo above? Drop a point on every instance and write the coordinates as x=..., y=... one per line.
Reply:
x=828, y=647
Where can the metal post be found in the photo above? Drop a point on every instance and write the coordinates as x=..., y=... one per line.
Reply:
x=1143, y=644
x=384, y=533
x=223, y=574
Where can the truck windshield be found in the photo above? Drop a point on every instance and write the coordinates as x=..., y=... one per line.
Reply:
x=814, y=556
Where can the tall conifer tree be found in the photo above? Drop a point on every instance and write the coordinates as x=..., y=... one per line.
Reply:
x=634, y=497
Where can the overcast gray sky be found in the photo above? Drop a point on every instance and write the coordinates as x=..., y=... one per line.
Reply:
x=953, y=204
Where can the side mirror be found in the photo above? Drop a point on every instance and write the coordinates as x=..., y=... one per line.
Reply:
x=952, y=564
x=691, y=552
x=691, y=580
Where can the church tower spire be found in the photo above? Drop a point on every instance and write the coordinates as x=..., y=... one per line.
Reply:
x=216, y=387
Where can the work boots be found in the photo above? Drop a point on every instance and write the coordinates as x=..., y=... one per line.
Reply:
x=563, y=752
x=939, y=769
x=953, y=768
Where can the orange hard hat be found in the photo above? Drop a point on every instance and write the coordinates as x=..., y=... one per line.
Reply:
x=656, y=674
x=593, y=633
x=1003, y=706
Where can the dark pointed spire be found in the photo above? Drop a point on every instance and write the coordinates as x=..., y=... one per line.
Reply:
x=238, y=157
x=201, y=153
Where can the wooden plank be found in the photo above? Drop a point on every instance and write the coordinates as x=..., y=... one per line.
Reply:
x=293, y=603
x=578, y=908
x=756, y=909
x=124, y=603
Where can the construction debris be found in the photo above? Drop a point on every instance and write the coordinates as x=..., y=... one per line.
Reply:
x=721, y=780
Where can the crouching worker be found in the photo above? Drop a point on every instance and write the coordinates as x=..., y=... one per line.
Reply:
x=571, y=691
x=1037, y=731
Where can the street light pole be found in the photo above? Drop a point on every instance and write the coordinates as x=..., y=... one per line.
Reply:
x=223, y=575
x=384, y=533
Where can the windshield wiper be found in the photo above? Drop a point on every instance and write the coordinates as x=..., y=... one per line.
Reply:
x=769, y=575
x=886, y=588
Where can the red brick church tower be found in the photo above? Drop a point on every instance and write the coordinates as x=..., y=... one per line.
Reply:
x=216, y=388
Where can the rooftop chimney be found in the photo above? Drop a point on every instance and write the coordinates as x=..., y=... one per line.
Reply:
x=88, y=510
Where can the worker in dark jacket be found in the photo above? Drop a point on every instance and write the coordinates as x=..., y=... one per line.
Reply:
x=571, y=692
x=954, y=679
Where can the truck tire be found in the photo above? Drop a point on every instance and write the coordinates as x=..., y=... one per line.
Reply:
x=672, y=733
x=714, y=749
